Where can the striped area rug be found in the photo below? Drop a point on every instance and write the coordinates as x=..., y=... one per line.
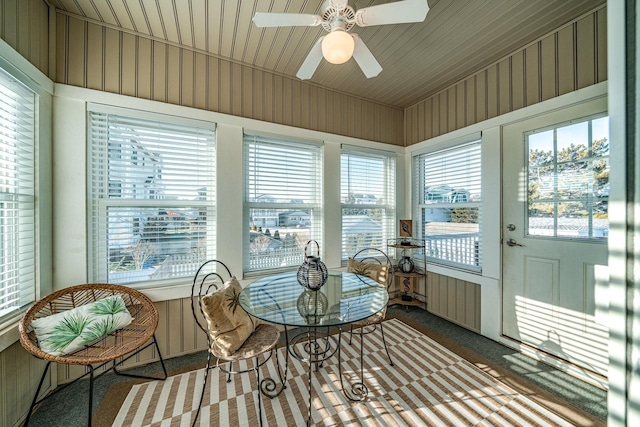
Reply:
x=429, y=385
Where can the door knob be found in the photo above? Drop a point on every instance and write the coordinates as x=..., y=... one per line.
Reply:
x=512, y=242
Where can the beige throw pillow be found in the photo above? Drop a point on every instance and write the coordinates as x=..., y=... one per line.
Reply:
x=229, y=325
x=379, y=273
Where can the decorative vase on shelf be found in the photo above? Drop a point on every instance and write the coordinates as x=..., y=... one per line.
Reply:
x=406, y=264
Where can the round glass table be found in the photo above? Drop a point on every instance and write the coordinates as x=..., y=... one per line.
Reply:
x=346, y=298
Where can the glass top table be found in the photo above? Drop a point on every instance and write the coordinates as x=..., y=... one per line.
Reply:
x=345, y=298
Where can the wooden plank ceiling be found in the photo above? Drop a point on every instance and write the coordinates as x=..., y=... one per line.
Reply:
x=458, y=37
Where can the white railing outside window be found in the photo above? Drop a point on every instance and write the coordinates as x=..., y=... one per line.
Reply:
x=448, y=208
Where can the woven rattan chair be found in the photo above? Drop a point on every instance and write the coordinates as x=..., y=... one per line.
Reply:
x=210, y=278
x=371, y=324
x=133, y=338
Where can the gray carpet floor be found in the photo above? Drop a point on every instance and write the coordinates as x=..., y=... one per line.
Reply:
x=69, y=407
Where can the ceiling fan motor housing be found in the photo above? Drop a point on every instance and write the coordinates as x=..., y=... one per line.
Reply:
x=337, y=17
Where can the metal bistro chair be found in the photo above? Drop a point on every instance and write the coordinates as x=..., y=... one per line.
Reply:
x=213, y=279
x=374, y=263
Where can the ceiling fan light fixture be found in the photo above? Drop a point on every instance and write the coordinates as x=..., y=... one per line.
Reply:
x=338, y=46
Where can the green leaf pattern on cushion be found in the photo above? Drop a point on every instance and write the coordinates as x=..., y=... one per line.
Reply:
x=71, y=330
x=233, y=300
x=67, y=331
x=108, y=306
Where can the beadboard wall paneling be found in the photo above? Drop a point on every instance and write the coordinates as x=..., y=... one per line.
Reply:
x=573, y=57
x=20, y=373
x=101, y=58
x=177, y=335
x=24, y=25
x=455, y=300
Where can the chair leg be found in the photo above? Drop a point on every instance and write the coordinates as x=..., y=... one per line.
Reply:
x=230, y=370
x=385, y=344
x=204, y=387
x=90, y=393
x=259, y=392
x=35, y=398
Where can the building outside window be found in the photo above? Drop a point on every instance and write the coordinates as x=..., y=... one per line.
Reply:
x=448, y=192
x=152, y=197
x=282, y=201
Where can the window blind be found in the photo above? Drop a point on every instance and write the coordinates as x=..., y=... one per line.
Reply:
x=282, y=198
x=367, y=194
x=17, y=195
x=152, y=197
x=448, y=195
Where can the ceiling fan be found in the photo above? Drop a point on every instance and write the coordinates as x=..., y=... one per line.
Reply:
x=338, y=18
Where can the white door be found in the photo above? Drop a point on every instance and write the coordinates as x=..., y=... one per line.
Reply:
x=555, y=227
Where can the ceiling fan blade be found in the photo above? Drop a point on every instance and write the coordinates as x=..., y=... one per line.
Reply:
x=365, y=59
x=398, y=12
x=265, y=19
x=312, y=61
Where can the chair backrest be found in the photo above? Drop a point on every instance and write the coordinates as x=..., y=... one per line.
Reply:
x=210, y=277
x=375, y=256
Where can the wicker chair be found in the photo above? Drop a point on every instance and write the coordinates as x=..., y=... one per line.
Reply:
x=370, y=324
x=210, y=278
x=133, y=338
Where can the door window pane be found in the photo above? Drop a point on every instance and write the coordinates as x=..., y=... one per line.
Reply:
x=568, y=180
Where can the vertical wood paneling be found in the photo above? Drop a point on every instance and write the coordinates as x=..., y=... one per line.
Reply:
x=566, y=60
x=174, y=74
x=586, y=52
x=10, y=23
x=95, y=55
x=76, y=58
x=159, y=70
x=451, y=109
x=492, y=91
x=62, y=48
x=455, y=300
x=461, y=96
x=548, y=69
x=532, y=74
x=481, y=96
x=247, y=92
x=129, y=64
x=187, y=81
x=132, y=65
x=470, y=100
x=601, y=40
x=517, y=81
x=504, y=86
x=144, y=82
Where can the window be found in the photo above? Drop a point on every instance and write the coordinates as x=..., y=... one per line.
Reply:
x=152, y=197
x=447, y=191
x=282, y=201
x=367, y=194
x=568, y=180
x=17, y=195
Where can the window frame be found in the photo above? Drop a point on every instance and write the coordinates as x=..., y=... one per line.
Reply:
x=315, y=206
x=388, y=177
x=98, y=204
